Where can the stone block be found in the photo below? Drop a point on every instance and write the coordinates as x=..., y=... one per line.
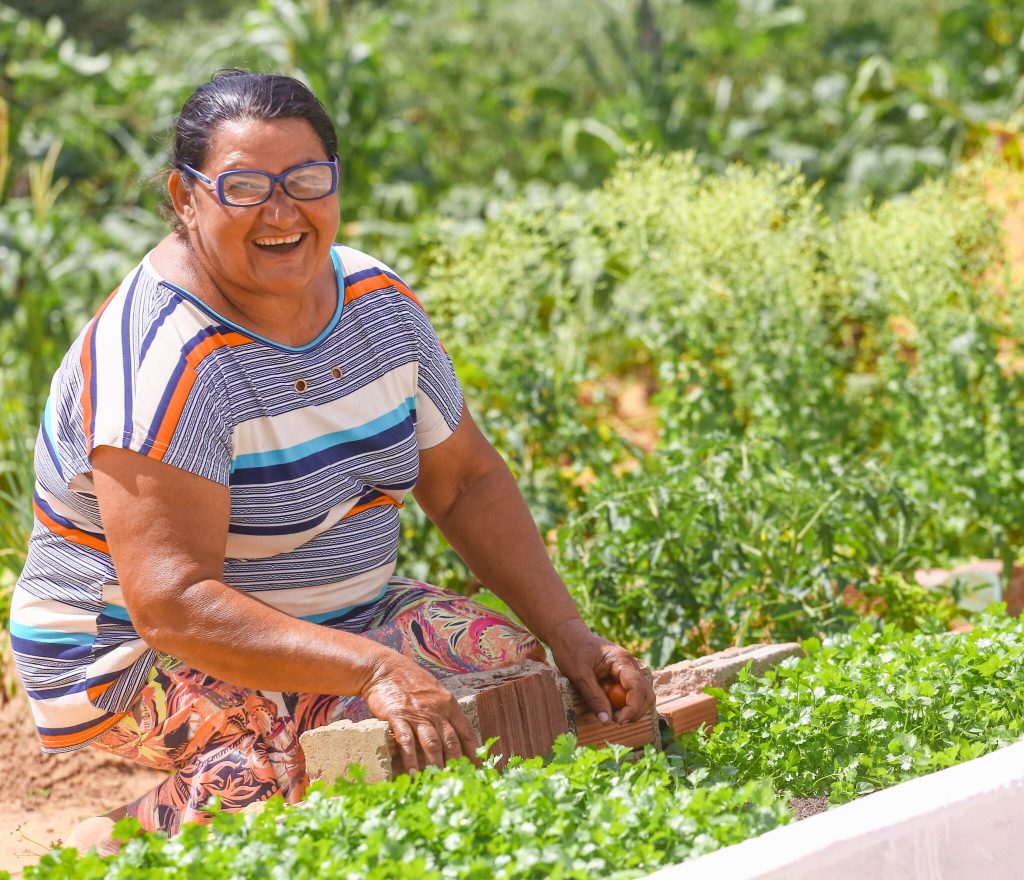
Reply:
x=684, y=714
x=719, y=670
x=332, y=749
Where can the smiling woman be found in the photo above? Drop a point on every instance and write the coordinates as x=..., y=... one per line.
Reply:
x=220, y=467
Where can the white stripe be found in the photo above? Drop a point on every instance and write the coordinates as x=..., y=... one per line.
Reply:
x=306, y=601
x=289, y=429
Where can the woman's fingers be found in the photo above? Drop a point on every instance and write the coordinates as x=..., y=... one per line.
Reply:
x=639, y=692
x=594, y=695
x=469, y=742
x=406, y=741
x=430, y=742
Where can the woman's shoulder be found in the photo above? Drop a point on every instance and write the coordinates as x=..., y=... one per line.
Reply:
x=364, y=274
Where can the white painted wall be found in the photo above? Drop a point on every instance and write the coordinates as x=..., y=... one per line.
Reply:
x=963, y=823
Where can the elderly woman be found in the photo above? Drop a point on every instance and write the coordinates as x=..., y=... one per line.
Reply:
x=220, y=467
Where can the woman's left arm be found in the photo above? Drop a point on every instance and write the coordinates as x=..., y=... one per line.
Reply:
x=469, y=493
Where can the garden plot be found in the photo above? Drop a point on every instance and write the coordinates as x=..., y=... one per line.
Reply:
x=857, y=714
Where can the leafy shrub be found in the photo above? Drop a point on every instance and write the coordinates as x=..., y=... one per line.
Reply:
x=733, y=543
x=835, y=386
x=588, y=813
x=868, y=709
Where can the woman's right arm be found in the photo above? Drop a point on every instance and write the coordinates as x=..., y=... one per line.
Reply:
x=167, y=530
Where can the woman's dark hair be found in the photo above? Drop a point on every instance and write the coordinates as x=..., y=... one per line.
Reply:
x=234, y=94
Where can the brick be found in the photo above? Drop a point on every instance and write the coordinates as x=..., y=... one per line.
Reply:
x=719, y=670
x=684, y=714
x=524, y=706
x=591, y=732
x=332, y=749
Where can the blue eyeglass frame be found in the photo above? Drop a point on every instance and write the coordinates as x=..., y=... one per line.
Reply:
x=217, y=183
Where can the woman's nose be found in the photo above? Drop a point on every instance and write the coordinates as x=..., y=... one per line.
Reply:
x=280, y=208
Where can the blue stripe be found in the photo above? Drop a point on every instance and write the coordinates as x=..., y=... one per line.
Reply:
x=345, y=611
x=75, y=728
x=63, y=520
x=50, y=650
x=126, y=345
x=318, y=444
x=288, y=529
x=293, y=470
x=76, y=688
x=47, y=430
x=171, y=386
x=164, y=313
x=116, y=612
x=50, y=636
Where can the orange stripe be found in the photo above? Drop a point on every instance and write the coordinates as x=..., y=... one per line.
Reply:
x=375, y=283
x=188, y=379
x=75, y=536
x=97, y=689
x=87, y=368
x=81, y=736
x=383, y=501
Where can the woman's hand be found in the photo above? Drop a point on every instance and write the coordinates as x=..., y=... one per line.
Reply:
x=587, y=660
x=426, y=721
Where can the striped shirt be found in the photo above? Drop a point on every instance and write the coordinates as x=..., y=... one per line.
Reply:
x=318, y=445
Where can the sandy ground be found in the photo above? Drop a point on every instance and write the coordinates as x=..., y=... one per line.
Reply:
x=42, y=796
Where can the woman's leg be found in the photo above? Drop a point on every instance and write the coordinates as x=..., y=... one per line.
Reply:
x=444, y=632
x=216, y=738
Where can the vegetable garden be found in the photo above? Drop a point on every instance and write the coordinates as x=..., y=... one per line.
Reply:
x=734, y=395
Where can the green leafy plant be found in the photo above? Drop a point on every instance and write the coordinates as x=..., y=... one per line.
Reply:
x=869, y=709
x=587, y=813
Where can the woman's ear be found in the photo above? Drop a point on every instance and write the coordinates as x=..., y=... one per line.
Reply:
x=181, y=197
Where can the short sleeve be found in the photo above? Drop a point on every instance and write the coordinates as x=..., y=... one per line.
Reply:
x=439, y=397
x=144, y=381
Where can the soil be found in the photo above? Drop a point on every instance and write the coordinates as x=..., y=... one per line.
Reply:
x=42, y=797
x=810, y=806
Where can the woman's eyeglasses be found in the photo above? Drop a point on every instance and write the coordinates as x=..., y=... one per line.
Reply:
x=246, y=189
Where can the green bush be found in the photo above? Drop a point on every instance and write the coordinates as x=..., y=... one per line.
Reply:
x=845, y=372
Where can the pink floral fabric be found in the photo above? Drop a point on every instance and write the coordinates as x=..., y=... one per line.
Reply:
x=216, y=739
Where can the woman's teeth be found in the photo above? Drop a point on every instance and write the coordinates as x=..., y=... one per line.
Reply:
x=271, y=242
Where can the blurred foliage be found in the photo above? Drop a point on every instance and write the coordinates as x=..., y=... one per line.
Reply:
x=855, y=350
x=834, y=396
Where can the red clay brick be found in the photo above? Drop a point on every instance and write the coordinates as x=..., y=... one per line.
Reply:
x=591, y=732
x=689, y=713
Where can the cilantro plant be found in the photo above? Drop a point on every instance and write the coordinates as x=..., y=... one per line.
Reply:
x=587, y=813
x=869, y=709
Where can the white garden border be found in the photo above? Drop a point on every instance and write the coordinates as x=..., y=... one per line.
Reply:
x=962, y=823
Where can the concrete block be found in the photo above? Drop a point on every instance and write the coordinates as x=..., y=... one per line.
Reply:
x=331, y=750
x=684, y=714
x=719, y=670
x=981, y=581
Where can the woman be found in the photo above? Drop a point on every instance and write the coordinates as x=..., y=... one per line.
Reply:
x=220, y=467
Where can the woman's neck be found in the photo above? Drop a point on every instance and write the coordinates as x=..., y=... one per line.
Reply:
x=287, y=320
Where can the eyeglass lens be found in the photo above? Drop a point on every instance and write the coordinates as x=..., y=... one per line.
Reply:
x=304, y=182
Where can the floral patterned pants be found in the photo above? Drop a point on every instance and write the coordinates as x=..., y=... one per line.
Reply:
x=243, y=745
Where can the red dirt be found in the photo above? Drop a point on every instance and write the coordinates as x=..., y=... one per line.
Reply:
x=43, y=796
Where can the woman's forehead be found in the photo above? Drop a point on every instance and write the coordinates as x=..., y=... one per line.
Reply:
x=262, y=143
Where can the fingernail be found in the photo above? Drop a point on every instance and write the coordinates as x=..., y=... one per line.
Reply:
x=603, y=717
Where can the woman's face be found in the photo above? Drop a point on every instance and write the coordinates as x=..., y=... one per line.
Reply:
x=250, y=249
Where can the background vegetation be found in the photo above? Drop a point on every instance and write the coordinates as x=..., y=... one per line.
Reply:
x=827, y=371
